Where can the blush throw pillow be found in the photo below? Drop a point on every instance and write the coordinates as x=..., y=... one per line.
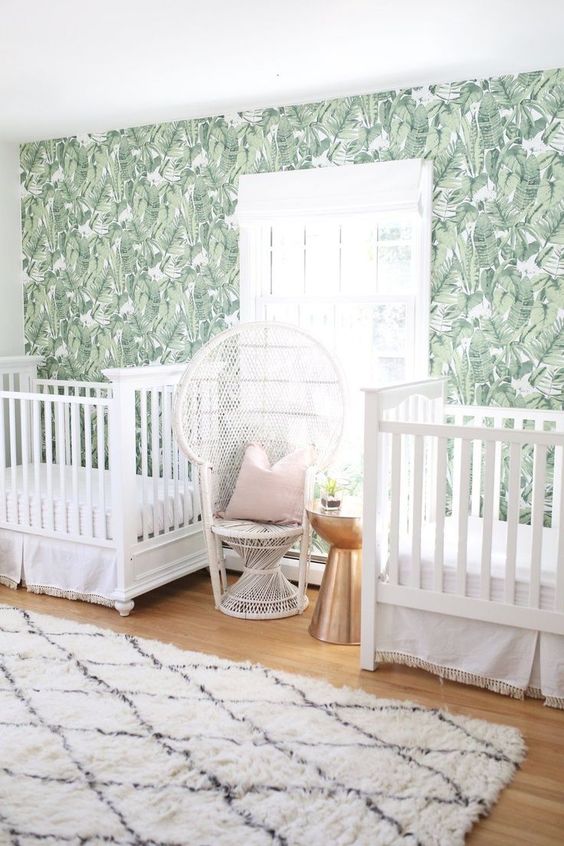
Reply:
x=269, y=494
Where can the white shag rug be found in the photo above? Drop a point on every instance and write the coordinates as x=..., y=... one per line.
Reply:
x=107, y=738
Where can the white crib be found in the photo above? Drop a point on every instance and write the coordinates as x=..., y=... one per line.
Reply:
x=96, y=501
x=463, y=557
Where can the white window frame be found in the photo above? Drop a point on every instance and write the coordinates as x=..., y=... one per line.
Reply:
x=374, y=189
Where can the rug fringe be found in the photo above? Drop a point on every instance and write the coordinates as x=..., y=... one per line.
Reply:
x=71, y=594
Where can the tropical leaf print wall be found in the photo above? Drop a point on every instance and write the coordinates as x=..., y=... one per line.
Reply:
x=131, y=252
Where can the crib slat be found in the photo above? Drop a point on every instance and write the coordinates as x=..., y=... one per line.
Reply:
x=405, y=465
x=24, y=429
x=537, y=520
x=430, y=465
x=13, y=457
x=559, y=482
x=61, y=416
x=463, y=492
x=49, y=503
x=67, y=427
x=176, y=482
x=166, y=437
x=513, y=497
x=75, y=465
x=89, y=517
x=175, y=472
x=101, y=452
x=486, y=563
x=440, y=508
x=36, y=440
x=59, y=435
x=395, y=492
x=383, y=520
x=3, y=504
x=557, y=495
x=456, y=462
x=155, y=461
x=417, y=506
x=144, y=468
x=498, y=422
x=476, y=471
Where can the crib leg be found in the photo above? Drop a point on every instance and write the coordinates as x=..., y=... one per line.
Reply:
x=124, y=608
x=368, y=663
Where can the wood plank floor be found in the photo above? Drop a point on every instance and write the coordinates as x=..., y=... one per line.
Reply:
x=531, y=809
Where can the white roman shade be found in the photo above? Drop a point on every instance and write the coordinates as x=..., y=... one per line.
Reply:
x=346, y=189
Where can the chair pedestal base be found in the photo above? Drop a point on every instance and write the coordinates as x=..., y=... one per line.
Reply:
x=263, y=592
x=264, y=596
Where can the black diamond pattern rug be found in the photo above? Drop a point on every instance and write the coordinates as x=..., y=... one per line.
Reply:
x=108, y=738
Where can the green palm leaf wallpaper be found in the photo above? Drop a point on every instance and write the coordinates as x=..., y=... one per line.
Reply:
x=131, y=252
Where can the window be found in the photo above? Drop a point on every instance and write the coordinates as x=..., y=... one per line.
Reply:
x=344, y=253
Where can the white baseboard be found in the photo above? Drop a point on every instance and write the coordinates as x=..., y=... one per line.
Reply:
x=289, y=567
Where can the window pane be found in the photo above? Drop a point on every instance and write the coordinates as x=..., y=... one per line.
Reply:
x=287, y=259
x=319, y=319
x=322, y=258
x=358, y=257
x=370, y=345
x=390, y=329
x=395, y=230
x=390, y=369
x=394, y=268
x=282, y=312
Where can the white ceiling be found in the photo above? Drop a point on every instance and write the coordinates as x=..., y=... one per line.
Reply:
x=72, y=66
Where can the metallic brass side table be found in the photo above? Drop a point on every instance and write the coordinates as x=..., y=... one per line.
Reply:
x=336, y=618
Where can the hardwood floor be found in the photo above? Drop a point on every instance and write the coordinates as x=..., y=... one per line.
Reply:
x=530, y=811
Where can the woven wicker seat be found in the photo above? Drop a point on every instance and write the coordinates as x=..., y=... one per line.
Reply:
x=275, y=385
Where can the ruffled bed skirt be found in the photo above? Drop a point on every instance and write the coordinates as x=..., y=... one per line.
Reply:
x=508, y=660
x=57, y=567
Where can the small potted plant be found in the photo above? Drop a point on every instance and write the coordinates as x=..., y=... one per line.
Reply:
x=331, y=496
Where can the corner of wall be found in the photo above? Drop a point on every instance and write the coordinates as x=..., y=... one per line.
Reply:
x=11, y=291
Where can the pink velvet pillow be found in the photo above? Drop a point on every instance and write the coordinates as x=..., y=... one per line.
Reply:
x=269, y=494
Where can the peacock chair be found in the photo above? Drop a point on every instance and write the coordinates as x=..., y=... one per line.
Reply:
x=276, y=385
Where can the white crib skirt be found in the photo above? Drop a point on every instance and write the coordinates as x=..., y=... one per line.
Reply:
x=59, y=568
x=11, y=557
x=505, y=659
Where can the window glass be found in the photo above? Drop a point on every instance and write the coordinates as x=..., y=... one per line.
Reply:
x=287, y=259
x=322, y=261
x=350, y=281
x=358, y=256
x=394, y=267
x=395, y=229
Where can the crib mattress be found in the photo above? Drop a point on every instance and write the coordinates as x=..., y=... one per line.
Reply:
x=474, y=547
x=98, y=521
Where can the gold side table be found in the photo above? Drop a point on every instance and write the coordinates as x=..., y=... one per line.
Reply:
x=336, y=618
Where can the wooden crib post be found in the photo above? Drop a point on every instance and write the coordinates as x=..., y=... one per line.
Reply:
x=371, y=547
x=18, y=372
x=122, y=440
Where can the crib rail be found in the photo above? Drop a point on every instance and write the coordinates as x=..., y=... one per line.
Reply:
x=18, y=373
x=64, y=387
x=507, y=419
x=491, y=480
x=53, y=463
x=143, y=404
x=62, y=442
x=427, y=455
x=160, y=460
